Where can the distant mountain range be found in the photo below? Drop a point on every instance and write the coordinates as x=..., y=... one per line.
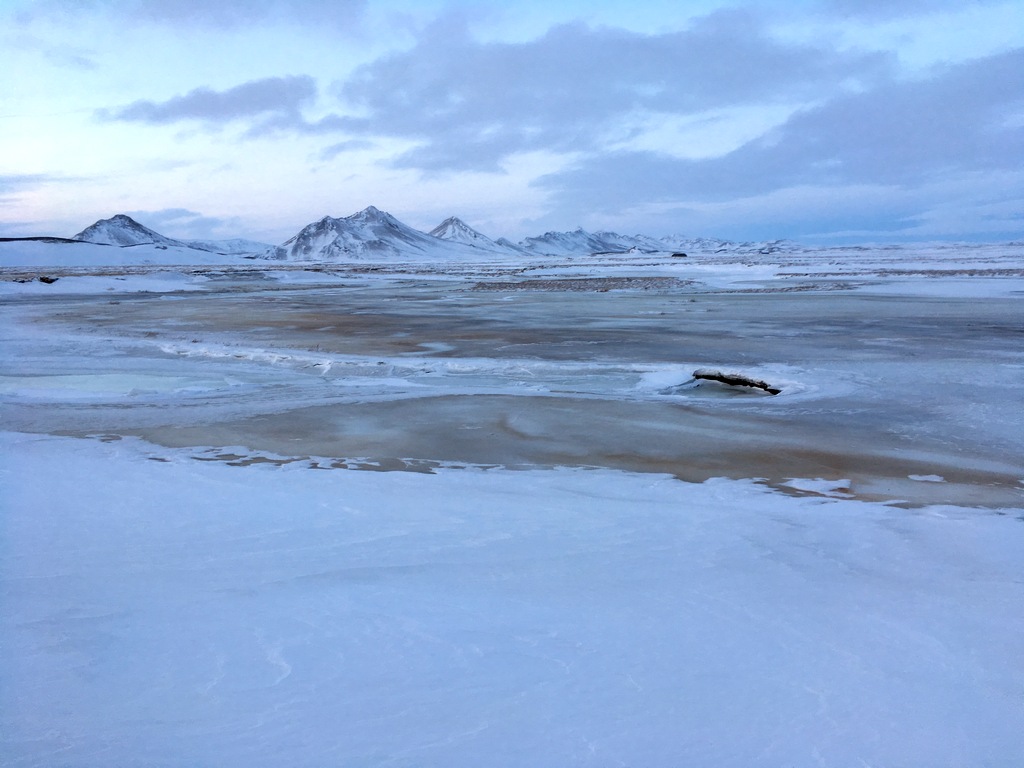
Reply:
x=124, y=231
x=372, y=234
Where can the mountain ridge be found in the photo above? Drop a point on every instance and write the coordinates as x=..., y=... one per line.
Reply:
x=373, y=234
x=123, y=231
x=363, y=235
x=456, y=230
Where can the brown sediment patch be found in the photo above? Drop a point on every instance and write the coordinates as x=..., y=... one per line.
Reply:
x=894, y=410
x=806, y=288
x=882, y=477
x=858, y=476
x=865, y=477
x=954, y=272
x=687, y=441
x=584, y=284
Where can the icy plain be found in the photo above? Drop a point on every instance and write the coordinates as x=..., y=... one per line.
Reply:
x=564, y=551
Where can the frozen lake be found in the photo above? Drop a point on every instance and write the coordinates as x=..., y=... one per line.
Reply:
x=568, y=551
x=409, y=370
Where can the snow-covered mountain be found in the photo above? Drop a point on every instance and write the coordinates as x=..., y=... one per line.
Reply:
x=123, y=231
x=233, y=246
x=616, y=242
x=455, y=230
x=580, y=243
x=366, y=235
x=564, y=243
x=369, y=235
x=714, y=245
x=375, y=234
x=508, y=245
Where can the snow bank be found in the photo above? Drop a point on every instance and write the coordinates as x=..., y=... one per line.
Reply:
x=164, y=611
x=29, y=253
x=157, y=282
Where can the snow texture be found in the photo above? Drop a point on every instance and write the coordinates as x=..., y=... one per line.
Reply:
x=455, y=230
x=164, y=611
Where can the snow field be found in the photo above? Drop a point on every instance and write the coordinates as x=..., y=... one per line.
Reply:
x=165, y=611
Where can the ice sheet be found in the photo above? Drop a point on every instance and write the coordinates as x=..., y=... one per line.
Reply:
x=874, y=388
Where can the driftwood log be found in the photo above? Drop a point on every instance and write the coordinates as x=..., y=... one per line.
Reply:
x=734, y=380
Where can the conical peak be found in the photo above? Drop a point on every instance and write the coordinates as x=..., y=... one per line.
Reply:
x=121, y=220
x=369, y=212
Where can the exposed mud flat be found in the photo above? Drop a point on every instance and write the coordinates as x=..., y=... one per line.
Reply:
x=600, y=284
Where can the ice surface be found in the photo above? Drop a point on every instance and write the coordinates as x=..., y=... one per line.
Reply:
x=191, y=575
x=166, y=282
x=415, y=366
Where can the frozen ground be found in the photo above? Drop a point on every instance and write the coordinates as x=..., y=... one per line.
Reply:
x=589, y=560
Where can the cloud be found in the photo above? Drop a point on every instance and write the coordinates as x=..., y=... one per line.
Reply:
x=63, y=55
x=959, y=123
x=473, y=104
x=352, y=145
x=341, y=14
x=270, y=106
x=16, y=182
x=890, y=9
x=19, y=228
x=186, y=224
x=277, y=101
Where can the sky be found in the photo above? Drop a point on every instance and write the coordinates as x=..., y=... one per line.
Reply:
x=821, y=121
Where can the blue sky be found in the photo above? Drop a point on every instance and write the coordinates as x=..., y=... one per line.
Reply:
x=824, y=121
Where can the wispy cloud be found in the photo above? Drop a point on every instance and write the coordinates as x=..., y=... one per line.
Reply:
x=281, y=97
x=16, y=182
x=472, y=104
x=901, y=135
x=187, y=224
x=266, y=107
x=340, y=14
x=352, y=145
x=887, y=9
x=898, y=133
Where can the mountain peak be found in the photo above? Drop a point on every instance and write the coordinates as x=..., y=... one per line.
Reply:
x=370, y=213
x=456, y=230
x=121, y=229
x=370, y=233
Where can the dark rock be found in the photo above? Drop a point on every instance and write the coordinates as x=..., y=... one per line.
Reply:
x=734, y=380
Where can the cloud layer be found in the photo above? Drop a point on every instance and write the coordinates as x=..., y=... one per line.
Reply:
x=473, y=104
x=900, y=133
x=278, y=96
x=221, y=13
x=183, y=223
